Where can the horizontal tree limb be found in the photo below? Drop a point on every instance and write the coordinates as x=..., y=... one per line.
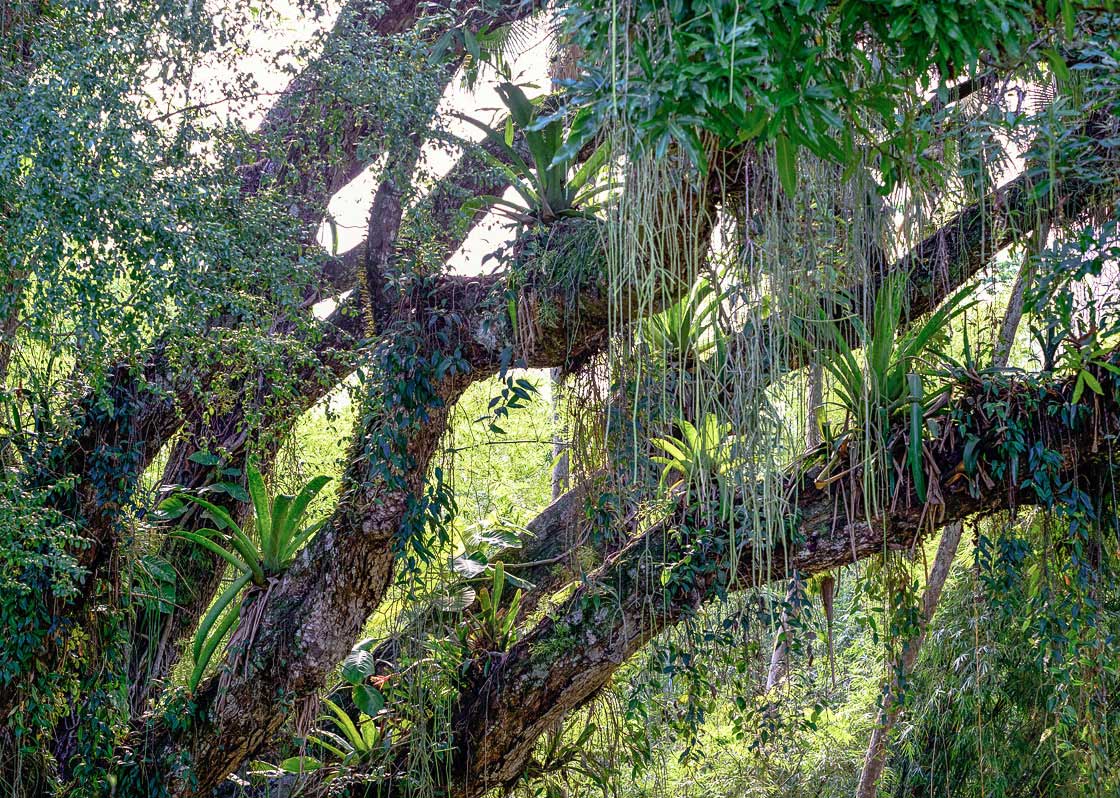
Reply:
x=572, y=654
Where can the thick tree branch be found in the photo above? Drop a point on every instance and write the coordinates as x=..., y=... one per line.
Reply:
x=572, y=654
x=459, y=333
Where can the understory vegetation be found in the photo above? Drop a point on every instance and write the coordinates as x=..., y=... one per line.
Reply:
x=719, y=399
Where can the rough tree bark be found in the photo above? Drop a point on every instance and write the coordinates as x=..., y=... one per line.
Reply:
x=255, y=694
x=314, y=611
x=570, y=655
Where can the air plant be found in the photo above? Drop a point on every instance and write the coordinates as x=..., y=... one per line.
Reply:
x=886, y=382
x=351, y=742
x=547, y=190
x=700, y=453
x=281, y=533
x=686, y=329
x=493, y=627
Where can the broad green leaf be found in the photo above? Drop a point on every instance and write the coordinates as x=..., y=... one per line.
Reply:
x=232, y=489
x=204, y=458
x=1093, y=383
x=357, y=666
x=300, y=764
x=368, y=699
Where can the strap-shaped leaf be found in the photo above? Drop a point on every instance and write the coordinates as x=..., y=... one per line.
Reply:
x=917, y=424
x=342, y=720
x=519, y=105
x=212, y=643
x=281, y=511
x=590, y=168
x=300, y=764
x=207, y=623
x=499, y=582
x=219, y=514
x=296, y=543
x=785, y=152
x=214, y=548
x=239, y=540
x=524, y=184
x=294, y=517
x=318, y=740
x=262, y=510
x=499, y=141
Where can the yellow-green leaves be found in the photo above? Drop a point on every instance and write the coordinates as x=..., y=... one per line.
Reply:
x=702, y=452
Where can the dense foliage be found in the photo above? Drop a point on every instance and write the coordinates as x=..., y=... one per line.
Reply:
x=770, y=451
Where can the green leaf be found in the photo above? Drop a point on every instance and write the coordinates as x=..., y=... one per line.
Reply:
x=519, y=105
x=281, y=505
x=261, y=509
x=300, y=764
x=439, y=49
x=294, y=517
x=214, y=548
x=345, y=725
x=1093, y=383
x=297, y=541
x=370, y=734
x=368, y=699
x=470, y=41
x=172, y=507
x=232, y=489
x=205, y=458
x=585, y=126
x=207, y=653
x=914, y=453
x=334, y=749
x=219, y=514
x=1057, y=64
x=357, y=666
x=240, y=540
x=223, y=601
x=1069, y=17
x=499, y=582
x=785, y=152
x=1079, y=387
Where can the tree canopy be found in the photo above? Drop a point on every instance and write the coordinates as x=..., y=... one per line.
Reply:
x=768, y=452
